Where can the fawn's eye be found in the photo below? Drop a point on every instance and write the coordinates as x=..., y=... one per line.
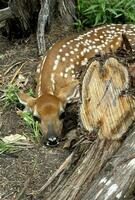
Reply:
x=62, y=116
x=37, y=118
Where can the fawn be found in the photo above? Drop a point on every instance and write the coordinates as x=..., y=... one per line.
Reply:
x=57, y=82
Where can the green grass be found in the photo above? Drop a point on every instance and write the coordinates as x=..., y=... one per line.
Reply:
x=35, y=136
x=7, y=148
x=97, y=12
x=31, y=93
x=10, y=96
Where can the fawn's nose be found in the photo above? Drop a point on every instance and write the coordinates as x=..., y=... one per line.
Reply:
x=52, y=141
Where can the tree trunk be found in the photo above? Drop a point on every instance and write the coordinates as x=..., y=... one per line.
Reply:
x=25, y=16
x=67, y=11
x=24, y=11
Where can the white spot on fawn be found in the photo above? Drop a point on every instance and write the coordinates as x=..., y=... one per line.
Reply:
x=53, y=81
x=63, y=58
x=61, y=74
x=60, y=50
x=67, y=54
x=56, y=62
x=72, y=52
x=65, y=75
x=64, y=46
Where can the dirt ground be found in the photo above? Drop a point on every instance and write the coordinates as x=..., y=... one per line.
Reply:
x=39, y=162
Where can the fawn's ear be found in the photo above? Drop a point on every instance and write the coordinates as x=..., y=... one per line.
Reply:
x=27, y=100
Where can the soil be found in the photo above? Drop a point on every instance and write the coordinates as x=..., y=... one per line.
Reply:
x=39, y=162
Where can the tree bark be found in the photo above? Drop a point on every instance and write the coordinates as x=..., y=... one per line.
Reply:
x=106, y=172
x=95, y=158
x=117, y=179
x=5, y=14
x=24, y=11
x=67, y=11
x=47, y=7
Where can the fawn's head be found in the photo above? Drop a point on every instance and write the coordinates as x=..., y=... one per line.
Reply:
x=48, y=108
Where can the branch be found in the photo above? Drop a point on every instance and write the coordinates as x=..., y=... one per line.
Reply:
x=42, y=21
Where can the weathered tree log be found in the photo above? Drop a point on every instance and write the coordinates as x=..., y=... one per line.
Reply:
x=117, y=179
x=104, y=173
x=97, y=155
x=5, y=14
x=103, y=105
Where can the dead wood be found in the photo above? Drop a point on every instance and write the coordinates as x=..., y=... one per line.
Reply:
x=17, y=72
x=103, y=106
x=106, y=171
x=95, y=158
x=47, y=7
x=65, y=165
x=67, y=11
x=5, y=14
x=23, y=17
x=117, y=179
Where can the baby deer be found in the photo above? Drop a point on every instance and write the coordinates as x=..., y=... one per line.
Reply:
x=57, y=82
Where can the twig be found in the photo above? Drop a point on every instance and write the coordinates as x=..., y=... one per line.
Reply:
x=60, y=169
x=79, y=142
x=16, y=73
x=12, y=66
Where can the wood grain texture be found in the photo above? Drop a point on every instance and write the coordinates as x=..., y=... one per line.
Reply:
x=103, y=105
